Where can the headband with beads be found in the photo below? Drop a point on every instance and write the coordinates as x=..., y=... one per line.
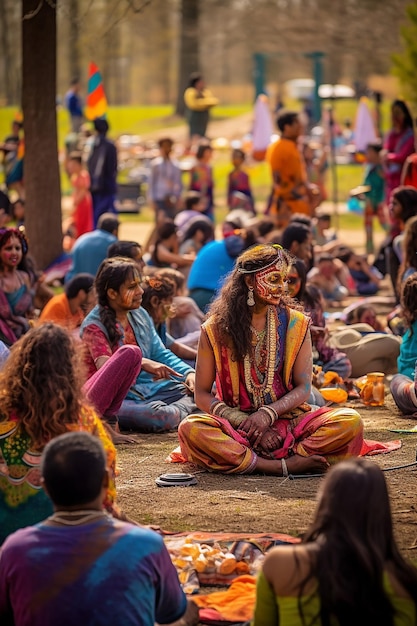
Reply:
x=279, y=263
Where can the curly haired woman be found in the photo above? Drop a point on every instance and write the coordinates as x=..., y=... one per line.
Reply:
x=41, y=398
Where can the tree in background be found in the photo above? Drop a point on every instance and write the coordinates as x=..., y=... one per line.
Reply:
x=43, y=219
x=189, y=48
x=405, y=63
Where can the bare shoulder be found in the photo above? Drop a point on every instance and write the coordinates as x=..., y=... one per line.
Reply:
x=286, y=567
x=24, y=277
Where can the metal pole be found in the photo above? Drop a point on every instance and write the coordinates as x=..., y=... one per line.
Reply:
x=333, y=166
x=259, y=73
x=317, y=58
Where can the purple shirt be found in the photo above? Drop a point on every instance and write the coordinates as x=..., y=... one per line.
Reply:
x=106, y=573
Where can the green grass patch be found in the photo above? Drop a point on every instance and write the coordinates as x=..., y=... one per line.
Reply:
x=139, y=120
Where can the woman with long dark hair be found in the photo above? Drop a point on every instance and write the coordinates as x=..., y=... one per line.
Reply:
x=348, y=569
x=256, y=345
x=158, y=399
x=398, y=145
x=403, y=384
x=310, y=297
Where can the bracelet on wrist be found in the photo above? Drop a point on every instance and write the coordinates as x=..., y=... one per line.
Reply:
x=271, y=412
x=217, y=408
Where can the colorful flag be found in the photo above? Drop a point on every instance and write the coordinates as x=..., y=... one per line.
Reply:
x=96, y=102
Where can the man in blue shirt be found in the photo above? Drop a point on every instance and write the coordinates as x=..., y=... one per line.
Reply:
x=91, y=248
x=73, y=103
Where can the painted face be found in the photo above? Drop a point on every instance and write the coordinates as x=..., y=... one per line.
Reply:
x=270, y=284
x=327, y=269
x=293, y=283
x=368, y=317
x=165, y=310
x=11, y=253
x=130, y=293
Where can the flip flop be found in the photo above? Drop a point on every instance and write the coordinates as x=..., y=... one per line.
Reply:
x=176, y=480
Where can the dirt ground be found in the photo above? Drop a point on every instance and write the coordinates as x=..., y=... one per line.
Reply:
x=255, y=503
x=261, y=504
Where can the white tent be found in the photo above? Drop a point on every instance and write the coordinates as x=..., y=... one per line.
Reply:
x=364, y=131
x=262, y=127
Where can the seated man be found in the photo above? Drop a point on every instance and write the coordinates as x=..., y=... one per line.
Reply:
x=69, y=308
x=159, y=399
x=330, y=276
x=81, y=566
x=91, y=248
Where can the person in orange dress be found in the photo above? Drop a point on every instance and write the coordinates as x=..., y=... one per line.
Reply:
x=82, y=215
x=291, y=193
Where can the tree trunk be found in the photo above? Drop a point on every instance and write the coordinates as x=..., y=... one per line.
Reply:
x=41, y=169
x=189, y=48
x=74, y=36
x=6, y=54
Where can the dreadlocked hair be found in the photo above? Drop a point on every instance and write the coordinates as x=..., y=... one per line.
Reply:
x=230, y=311
x=112, y=273
x=40, y=384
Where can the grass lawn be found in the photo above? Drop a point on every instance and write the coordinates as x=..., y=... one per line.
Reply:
x=145, y=119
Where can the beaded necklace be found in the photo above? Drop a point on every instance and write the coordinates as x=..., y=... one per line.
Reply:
x=263, y=354
x=84, y=516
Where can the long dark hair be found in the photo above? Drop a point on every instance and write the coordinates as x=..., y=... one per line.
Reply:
x=409, y=246
x=111, y=274
x=406, y=196
x=163, y=232
x=301, y=270
x=230, y=311
x=408, y=119
x=205, y=226
x=408, y=300
x=353, y=532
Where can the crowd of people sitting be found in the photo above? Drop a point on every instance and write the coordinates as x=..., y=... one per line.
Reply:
x=216, y=337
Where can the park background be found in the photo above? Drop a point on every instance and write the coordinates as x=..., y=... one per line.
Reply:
x=146, y=49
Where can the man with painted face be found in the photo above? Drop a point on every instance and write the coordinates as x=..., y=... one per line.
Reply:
x=256, y=345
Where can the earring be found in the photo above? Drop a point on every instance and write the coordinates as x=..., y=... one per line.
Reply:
x=251, y=300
